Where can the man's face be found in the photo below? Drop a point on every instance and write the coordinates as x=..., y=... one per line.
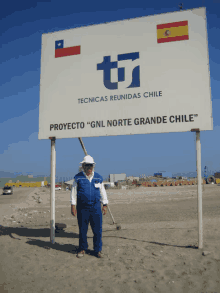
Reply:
x=88, y=168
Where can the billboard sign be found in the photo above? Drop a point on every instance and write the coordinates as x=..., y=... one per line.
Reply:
x=136, y=76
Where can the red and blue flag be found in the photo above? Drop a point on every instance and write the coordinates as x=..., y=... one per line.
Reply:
x=61, y=51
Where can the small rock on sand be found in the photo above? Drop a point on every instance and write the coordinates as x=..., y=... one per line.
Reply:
x=205, y=253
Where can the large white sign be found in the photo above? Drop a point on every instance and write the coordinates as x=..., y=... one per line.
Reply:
x=143, y=75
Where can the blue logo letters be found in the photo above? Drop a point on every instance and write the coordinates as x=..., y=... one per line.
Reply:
x=107, y=65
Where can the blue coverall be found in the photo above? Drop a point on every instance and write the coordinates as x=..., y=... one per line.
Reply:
x=89, y=210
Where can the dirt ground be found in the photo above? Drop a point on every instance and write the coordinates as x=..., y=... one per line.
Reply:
x=156, y=249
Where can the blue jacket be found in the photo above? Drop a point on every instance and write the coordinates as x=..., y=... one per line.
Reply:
x=87, y=192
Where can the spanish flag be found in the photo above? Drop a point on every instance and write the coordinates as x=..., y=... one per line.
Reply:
x=171, y=32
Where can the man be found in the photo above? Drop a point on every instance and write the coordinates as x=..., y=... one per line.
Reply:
x=88, y=192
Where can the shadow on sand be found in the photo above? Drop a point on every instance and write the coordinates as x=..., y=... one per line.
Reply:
x=45, y=232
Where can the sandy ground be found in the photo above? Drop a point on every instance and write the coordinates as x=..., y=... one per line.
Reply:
x=155, y=250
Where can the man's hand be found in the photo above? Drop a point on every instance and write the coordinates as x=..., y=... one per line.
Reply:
x=73, y=210
x=104, y=210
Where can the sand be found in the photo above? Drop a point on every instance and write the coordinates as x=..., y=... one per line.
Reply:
x=156, y=249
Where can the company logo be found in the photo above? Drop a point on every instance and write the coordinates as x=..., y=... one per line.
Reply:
x=128, y=71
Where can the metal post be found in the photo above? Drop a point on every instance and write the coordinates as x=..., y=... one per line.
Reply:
x=113, y=220
x=199, y=187
x=52, y=190
x=82, y=145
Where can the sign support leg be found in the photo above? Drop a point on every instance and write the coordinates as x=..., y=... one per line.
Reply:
x=199, y=187
x=52, y=190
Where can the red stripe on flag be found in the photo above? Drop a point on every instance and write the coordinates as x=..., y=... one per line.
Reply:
x=173, y=39
x=172, y=24
x=67, y=51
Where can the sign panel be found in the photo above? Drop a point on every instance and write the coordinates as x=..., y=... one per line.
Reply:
x=143, y=75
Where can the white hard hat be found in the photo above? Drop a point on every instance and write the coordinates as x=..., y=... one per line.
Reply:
x=88, y=159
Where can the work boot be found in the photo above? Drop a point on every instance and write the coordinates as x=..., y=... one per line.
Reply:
x=80, y=253
x=99, y=254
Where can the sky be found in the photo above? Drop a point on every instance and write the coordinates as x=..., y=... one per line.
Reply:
x=22, y=24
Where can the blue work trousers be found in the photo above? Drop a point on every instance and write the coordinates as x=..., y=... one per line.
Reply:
x=90, y=214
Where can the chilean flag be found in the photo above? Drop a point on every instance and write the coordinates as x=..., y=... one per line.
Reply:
x=60, y=51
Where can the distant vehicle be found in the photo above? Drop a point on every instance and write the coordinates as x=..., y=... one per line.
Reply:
x=7, y=190
x=58, y=188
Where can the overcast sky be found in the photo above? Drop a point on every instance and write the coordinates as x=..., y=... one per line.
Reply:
x=22, y=25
